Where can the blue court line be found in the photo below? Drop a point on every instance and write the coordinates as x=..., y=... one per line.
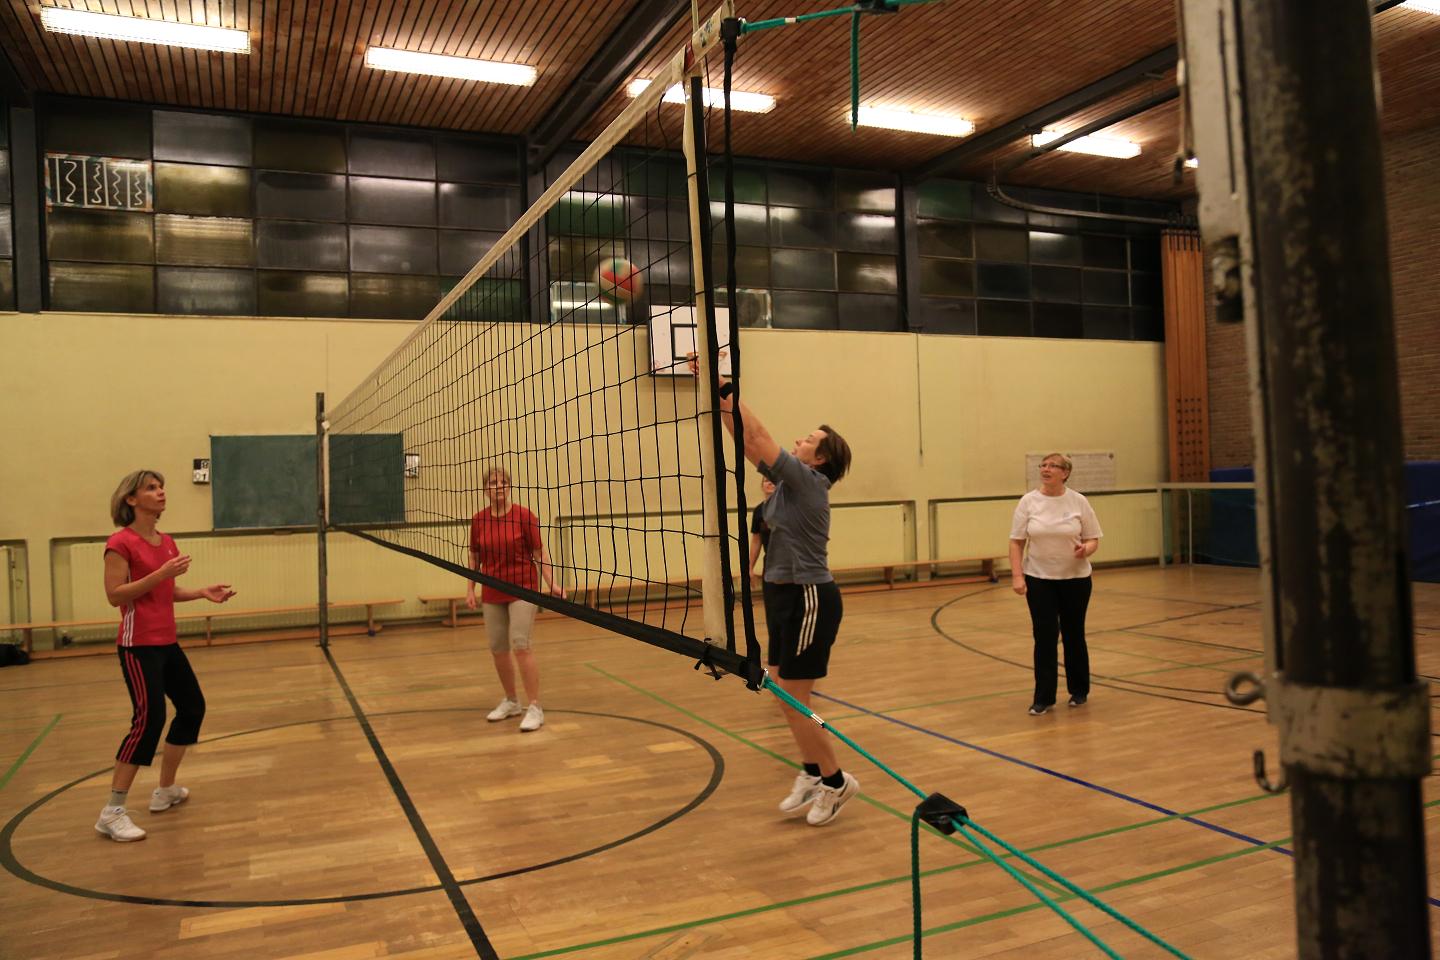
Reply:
x=1224, y=831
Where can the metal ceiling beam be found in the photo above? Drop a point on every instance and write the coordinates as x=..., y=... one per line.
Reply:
x=618, y=57
x=1052, y=112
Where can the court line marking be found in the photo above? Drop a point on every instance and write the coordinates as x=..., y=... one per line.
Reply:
x=471, y=923
x=20, y=760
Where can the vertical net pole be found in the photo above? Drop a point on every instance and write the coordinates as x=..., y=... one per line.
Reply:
x=713, y=589
x=323, y=570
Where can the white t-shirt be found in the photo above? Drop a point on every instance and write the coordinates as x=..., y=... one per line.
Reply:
x=1053, y=526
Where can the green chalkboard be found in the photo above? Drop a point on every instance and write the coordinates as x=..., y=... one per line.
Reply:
x=367, y=479
x=262, y=481
x=270, y=481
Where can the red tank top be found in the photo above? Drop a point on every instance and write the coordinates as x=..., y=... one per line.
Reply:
x=149, y=619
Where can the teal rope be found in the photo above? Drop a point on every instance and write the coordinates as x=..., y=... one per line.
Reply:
x=1079, y=891
x=1069, y=885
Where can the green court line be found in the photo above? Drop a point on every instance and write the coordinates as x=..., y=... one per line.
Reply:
x=1178, y=663
x=15, y=767
x=879, y=805
x=1030, y=907
x=905, y=878
x=913, y=706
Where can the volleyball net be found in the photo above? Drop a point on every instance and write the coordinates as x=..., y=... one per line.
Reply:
x=561, y=361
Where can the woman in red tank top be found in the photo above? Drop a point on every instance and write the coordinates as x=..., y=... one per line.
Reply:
x=141, y=565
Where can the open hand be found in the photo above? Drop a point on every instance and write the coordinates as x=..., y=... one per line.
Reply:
x=174, y=567
x=217, y=592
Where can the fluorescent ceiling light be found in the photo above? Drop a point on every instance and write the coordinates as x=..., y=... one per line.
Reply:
x=439, y=65
x=1427, y=6
x=946, y=126
x=739, y=100
x=144, y=30
x=1192, y=163
x=1096, y=145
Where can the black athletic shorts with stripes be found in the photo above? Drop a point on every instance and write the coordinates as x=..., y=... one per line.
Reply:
x=802, y=620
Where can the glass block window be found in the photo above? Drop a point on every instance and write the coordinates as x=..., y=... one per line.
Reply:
x=991, y=269
x=266, y=215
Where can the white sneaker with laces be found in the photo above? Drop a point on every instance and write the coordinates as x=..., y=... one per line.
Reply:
x=534, y=718
x=829, y=800
x=116, y=824
x=800, y=794
x=504, y=710
x=166, y=797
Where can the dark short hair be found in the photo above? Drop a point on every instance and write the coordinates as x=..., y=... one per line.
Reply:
x=836, y=453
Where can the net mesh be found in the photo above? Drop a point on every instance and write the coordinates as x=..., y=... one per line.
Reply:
x=580, y=394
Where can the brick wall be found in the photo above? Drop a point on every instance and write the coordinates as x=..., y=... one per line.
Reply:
x=1413, y=207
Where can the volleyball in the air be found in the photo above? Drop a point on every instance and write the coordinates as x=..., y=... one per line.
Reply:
x=619, y=280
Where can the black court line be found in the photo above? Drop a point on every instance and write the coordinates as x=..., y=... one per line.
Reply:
x=10, y=862
x=483, y=948
x=1116, y=681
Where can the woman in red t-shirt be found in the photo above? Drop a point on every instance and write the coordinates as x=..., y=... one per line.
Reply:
x=141, y=565
x=505, y=544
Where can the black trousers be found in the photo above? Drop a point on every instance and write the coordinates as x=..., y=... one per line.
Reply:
x=1057, y=610
x=151, y=675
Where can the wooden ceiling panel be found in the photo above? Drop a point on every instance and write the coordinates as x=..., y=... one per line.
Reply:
x=990, y=61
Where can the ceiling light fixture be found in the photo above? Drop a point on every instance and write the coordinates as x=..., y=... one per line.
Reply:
x=1094, y=145
x=440, y=65
x=739, y=99
x=1425, y=6
x=144, y=30
x=1192, y=163
x=941, y=124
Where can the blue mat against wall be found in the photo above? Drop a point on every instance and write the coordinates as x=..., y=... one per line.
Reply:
x=1231, y=535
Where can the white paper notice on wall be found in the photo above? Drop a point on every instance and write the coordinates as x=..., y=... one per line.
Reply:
x=1093, y=471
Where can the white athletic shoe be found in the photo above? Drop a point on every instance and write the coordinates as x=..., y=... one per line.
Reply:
x=534, y=718
x=166, y=797
x=116, y=824
x=506, y=709
x=829, y=800
x=800, y=794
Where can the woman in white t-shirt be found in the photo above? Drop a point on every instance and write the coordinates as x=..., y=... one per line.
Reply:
x=1051, y=539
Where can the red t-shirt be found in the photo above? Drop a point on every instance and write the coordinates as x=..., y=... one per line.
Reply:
x=149, y=619
x=506, y=547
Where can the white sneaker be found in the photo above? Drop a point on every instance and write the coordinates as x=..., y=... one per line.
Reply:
x=534, y=718
x=800, y=794
x=116, y=824
x=829, y=800
x=166, y=797
x=507, y=708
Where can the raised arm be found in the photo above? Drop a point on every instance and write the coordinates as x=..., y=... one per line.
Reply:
x=760, y=445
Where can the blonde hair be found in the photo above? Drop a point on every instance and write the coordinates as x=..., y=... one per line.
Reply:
x=490, y=472
x=1065, y=463
x=121, y=512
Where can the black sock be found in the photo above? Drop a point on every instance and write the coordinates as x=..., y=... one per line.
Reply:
x=836, y=779
x=812, y=769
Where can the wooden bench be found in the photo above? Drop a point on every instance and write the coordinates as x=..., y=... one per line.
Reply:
x=456, y=604
x=887, y=570
x=26, y=630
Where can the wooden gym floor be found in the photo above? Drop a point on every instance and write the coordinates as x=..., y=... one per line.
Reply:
x=641, y=822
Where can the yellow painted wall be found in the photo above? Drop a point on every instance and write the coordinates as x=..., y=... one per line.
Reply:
x=89, y=398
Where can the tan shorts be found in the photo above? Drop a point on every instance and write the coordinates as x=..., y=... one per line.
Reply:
x=507, y=625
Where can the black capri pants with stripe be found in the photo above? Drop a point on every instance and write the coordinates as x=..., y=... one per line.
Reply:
x=151, y=675
x=803, y=620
